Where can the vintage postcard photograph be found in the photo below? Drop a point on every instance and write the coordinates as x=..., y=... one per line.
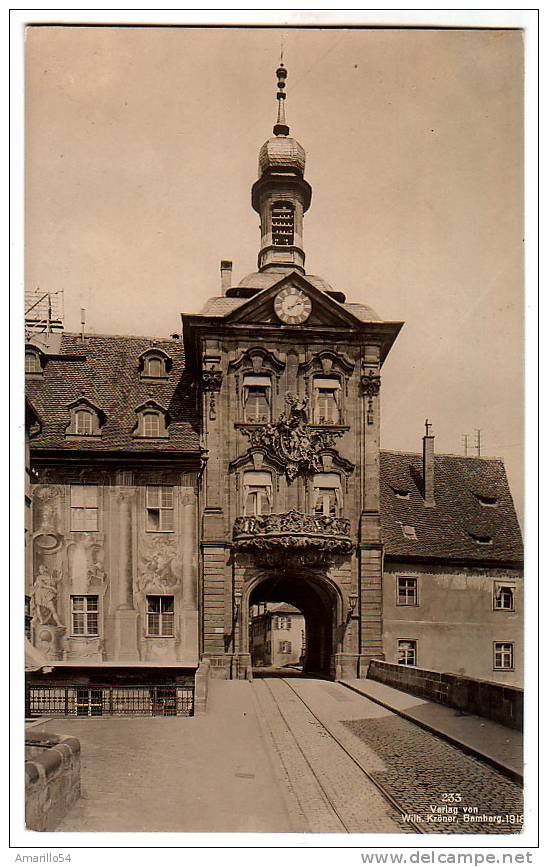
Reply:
x=274, y=432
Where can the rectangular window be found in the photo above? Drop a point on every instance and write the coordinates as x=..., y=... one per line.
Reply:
x=407, y=591
x=327, y=495
x=503, y=656
x=503, y=597
x=84, y=615
x=285, y=646
x=256, y=398
x=326, y=400
x=160, y=509
x=84, y=508
x=283, y=623
x=407, y=652
x=257, y=493
x=160, y=616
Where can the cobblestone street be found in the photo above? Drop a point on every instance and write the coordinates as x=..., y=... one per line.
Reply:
x=421, y=768
x=294, y=755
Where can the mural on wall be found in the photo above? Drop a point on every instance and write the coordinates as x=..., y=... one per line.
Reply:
x=86, y=568
x=46, y=516
x=159, y=567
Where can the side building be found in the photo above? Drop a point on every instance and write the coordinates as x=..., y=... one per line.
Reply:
x=112, y=559
x=277, y=636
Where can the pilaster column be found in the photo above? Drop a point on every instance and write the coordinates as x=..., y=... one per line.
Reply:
x=125, y=550
x=189, y=577
x=126, y=618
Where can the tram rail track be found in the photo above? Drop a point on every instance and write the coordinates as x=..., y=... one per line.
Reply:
x=410, y=826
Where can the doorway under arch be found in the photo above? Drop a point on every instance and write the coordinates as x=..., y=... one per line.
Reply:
x=320, y=602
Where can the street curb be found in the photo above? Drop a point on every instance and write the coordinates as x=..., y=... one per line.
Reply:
x=515, y=776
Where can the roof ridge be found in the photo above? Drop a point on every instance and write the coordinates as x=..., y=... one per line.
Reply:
x=120, y=337
x=444, y=455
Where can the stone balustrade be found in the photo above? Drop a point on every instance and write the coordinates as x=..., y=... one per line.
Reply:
x=52, y=779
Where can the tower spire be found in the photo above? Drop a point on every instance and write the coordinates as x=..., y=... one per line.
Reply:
x=280, y=127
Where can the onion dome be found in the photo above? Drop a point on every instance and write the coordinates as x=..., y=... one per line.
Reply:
x=281, y=152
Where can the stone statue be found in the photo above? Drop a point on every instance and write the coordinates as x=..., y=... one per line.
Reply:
x=44, y=598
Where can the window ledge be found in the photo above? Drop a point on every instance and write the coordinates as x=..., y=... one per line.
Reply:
x=75, y=436
x=151, y=439
x=150, y=378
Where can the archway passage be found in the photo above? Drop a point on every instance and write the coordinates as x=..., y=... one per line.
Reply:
x=318, y=603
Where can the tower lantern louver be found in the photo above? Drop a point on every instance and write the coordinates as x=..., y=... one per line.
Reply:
x=281, y=196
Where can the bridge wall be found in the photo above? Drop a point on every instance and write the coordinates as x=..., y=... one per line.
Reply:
x=498, y=702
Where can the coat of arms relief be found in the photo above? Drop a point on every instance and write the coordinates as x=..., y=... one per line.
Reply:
x=291, y=440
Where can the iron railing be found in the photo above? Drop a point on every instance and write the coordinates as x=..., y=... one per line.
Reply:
x=71, y=700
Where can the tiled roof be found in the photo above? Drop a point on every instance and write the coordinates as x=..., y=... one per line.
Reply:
x=221, y=306
x=105, y=371
x=452, y=527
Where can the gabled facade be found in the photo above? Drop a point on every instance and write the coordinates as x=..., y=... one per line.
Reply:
x=174, y=487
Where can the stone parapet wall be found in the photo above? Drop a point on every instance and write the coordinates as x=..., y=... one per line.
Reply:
x=501, y=703
x=52, y=779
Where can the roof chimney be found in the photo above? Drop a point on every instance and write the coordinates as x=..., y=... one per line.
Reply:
x=226, y=276
x=428, y=465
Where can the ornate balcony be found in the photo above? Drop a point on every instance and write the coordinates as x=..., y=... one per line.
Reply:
x=293, y=532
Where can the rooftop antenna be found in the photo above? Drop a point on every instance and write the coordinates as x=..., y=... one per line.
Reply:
x=465, y=444
x=83, y=323
x=478, y=442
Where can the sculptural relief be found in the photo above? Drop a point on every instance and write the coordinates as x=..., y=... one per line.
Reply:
x=291, y=440
x=43, y=600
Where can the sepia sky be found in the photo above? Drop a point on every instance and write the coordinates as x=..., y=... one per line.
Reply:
x=141, y=149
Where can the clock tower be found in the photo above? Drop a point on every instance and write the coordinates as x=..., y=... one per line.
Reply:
x=281, y=196
x=287, y=374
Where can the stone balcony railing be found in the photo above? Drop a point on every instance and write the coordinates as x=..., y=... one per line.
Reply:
x=292, y=531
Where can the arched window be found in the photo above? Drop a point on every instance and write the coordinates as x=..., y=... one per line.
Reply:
x=327, y=400
x=257, y=493
x=32, y=362
x=257, y=398
x=83, y=422
x=154, y=366
x=327, y=495
x=151, y=423
x=283, y=224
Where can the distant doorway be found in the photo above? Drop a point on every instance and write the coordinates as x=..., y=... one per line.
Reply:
x=312, y=599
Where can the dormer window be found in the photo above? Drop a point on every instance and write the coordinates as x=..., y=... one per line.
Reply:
x=484, y=500
x=83, y=422
x=409, y=532
x=33, y=363
x=402, y=493
x=86, y=420
x=152, y=421
x=257, y=398
x=154, y=364
x=283, y=224
x=327, y=400
x=481, y=539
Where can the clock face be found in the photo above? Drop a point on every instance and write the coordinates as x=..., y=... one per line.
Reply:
x=292, y=305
